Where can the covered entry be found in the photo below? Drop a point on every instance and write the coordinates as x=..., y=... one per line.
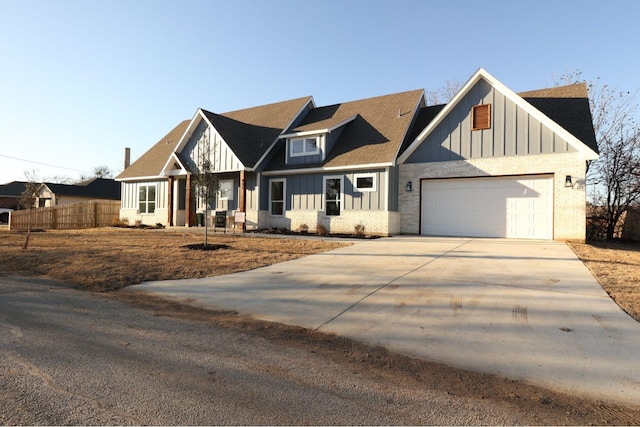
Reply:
x=511, y=207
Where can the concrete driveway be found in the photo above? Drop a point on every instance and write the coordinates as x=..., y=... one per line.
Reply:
x=526, y=310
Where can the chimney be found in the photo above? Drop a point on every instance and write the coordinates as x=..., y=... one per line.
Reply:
x=127, y=157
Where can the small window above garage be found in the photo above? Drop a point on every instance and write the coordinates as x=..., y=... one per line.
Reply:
x=481, y=117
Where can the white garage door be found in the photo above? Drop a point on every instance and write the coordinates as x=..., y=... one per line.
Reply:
x=513, y=207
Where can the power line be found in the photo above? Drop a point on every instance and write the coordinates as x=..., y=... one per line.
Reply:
x=41, y=164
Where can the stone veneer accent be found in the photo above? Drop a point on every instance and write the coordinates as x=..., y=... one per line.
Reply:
x=569, y=216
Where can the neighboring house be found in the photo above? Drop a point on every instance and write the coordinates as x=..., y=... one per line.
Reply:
x=50, y=194
x=10, y=194
x=490, y=163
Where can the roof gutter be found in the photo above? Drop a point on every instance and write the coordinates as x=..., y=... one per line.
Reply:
x=327, y=169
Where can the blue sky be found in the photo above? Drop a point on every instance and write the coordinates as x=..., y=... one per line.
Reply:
x=81, y=80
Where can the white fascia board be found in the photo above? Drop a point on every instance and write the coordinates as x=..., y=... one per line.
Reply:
x=184, y=138
x=588, y=153
x=319, y=131
x=187, y=134
x=305, y=133
x=511, y=95
x=39, y=189
x=166, y=172
x=268, y=150
x=327, y=169
x=189, y=130
x=439, y=117
x=142, y=178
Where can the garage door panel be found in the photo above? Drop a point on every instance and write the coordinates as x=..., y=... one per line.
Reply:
x=488, y=207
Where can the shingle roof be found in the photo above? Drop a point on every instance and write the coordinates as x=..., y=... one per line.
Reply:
x=154, y=159
x=381, y=129
x=423, y=118
x=12, y=189
x=250, y=132
x=96, y=188
x=569, y=107
x=373, y=137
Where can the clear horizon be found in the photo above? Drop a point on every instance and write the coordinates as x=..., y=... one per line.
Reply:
x=81, y=81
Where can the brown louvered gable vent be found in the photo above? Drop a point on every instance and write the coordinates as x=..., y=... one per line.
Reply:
x=481, y=117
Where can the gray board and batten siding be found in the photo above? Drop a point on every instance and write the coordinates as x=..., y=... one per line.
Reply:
x=222, y=157
x=306, y=191
x=251, y=192
x=513, y=132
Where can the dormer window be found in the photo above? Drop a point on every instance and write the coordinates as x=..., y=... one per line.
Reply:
x=304, y=147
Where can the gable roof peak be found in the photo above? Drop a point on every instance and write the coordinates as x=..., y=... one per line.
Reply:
x=481, y=73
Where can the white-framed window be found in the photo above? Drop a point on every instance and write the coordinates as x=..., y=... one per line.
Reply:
x=277, y=195
x=332, y=195
x=147, y=199
x=364, y=182
x=304, y=146
x=225, y=189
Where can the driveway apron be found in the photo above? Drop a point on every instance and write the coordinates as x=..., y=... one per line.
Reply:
x=526, y=310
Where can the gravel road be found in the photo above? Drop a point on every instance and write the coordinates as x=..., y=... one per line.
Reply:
x=75, y=357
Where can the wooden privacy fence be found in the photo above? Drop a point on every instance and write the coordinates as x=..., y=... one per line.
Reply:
x=91, y=214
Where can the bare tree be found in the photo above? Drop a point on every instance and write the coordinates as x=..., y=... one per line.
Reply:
x=58, y=179
x=205, y=184
x=98, y=172
x=614, y=178
x=27, y=200
x=102, y=172
x=443, y=94
x=617, y=176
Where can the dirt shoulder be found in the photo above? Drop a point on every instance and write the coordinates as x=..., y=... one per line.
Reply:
x=543, y=406
x=108, y=259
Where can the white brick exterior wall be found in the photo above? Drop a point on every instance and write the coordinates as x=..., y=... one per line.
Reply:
x=132, y=215
x=569, y=217
x=382, y=223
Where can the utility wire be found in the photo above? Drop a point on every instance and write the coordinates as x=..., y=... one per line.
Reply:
x=42, y=164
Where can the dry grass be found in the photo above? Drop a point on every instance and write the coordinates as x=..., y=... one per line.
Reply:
x=616, y=266
x=111, y=258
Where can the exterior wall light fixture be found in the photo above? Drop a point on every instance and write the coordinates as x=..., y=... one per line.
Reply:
x=409, y=186
x=568, y=182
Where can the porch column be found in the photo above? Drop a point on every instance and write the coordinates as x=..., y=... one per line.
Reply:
x=243, y=196
x=189, y=211
x=170, y=202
